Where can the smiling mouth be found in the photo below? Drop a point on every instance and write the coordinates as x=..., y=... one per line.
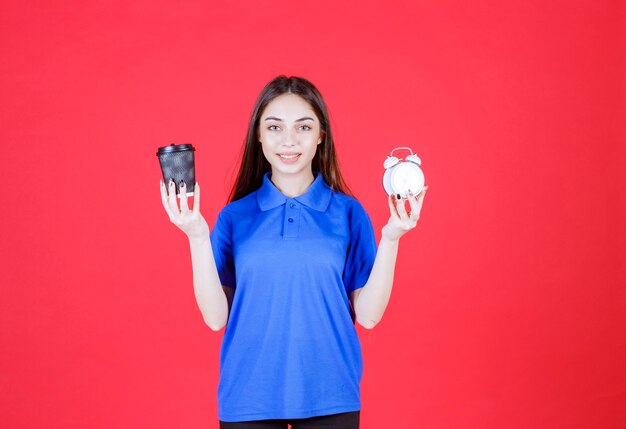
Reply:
x=289, y=156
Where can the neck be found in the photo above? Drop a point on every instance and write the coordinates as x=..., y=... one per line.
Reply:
x=292, y=185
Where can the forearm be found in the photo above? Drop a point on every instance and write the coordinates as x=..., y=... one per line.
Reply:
x=207, y=286
x=374, y=296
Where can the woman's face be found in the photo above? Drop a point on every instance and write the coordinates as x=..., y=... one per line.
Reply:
x=289, y=132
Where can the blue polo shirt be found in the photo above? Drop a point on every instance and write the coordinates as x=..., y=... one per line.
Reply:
x=290, y=348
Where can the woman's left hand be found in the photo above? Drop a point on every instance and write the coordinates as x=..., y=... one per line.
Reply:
x=400, y=221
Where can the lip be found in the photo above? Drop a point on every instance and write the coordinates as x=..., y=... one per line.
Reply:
x=293, y=160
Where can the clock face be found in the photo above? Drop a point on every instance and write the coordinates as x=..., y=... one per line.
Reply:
x=406, y=176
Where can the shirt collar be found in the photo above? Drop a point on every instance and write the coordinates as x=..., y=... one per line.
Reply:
x=317, y=196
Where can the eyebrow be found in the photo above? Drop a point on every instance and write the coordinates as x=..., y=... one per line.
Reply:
x=274, y=118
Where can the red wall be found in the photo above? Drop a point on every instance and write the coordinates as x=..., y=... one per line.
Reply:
x=509, y=305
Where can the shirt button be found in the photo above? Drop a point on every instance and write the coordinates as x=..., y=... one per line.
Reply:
x=292, y=205
x=290, y=220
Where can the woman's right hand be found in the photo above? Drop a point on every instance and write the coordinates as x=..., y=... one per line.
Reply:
x=189, y=221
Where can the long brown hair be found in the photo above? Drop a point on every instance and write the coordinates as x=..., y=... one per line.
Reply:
x=254, y=165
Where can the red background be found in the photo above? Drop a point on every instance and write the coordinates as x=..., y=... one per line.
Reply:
x=509, y=304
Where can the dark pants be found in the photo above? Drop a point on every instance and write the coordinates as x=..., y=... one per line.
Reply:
x=349, y=420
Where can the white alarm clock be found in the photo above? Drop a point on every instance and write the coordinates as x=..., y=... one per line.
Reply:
x=400, y=176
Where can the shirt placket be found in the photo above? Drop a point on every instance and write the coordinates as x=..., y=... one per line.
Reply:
x=291, y=220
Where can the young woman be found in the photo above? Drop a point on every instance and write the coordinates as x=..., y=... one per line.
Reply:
x=288, y=268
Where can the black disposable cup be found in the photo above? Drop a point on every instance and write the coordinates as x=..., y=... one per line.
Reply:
x=177, y=163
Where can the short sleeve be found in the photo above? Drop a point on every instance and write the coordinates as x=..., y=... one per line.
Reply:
x=221, y=243
x=361, y=249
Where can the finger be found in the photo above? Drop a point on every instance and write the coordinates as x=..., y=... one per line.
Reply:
x=422, y=194
x=401, y=208
x=392, y=206
x=415, y=207
x=164, y=199
x=196, y=199
x=416, y=203
x=172, y=198
x=184, y=206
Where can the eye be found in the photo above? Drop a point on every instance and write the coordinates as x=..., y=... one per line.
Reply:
x=273, y=128
x=306, y=127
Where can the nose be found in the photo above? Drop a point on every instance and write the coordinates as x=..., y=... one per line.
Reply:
x=290, y=139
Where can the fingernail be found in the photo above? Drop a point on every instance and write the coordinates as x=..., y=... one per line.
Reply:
x=398, y=196
x=171, y=182
x=182, y=183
